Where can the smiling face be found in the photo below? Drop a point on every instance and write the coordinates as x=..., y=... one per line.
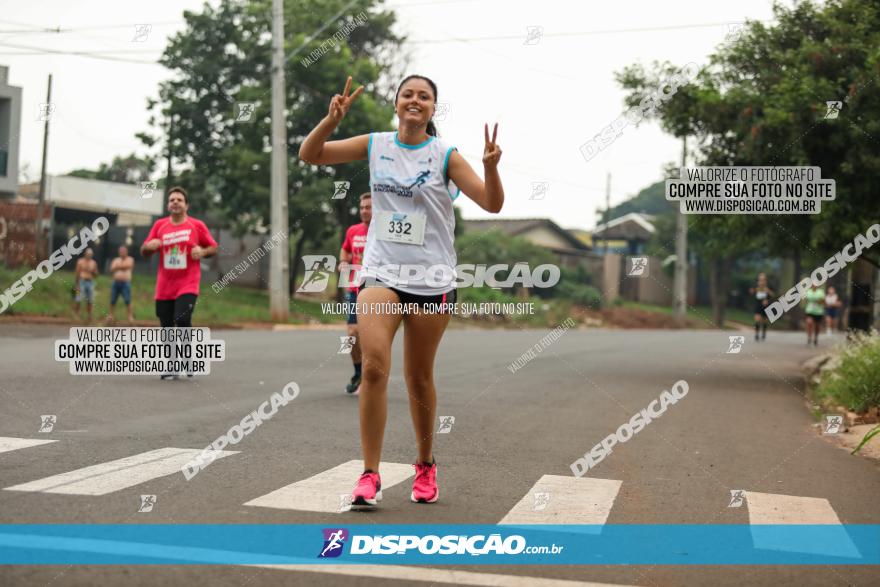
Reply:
x=415, y=103
x=177, y=203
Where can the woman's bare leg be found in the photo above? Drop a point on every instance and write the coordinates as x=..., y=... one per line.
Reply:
x=377, y=332
x=421, y=337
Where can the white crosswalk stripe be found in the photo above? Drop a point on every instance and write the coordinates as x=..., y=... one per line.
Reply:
x=558, y=499
x=8, y=443
x=119, y=474
x=771, y=508
x=437, y=576
x=321, y=492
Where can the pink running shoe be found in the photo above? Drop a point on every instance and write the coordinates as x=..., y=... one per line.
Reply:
x=425, y=484
x=368, y=491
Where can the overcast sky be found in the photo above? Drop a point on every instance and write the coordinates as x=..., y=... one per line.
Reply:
x=549, y=95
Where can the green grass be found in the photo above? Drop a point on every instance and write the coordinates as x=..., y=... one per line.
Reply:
x=52, y=297
x=700, y=313
x=546, y=312
x=855, y=380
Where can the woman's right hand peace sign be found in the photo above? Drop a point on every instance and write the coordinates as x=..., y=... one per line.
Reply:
x=340, y=104
x=491, y=151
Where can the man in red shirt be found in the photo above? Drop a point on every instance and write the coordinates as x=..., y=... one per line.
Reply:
x=352, y=253
x=182, y=241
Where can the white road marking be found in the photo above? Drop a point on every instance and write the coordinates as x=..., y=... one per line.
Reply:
x=569, y=500
x=431, y=575
x=320, y=493
x=771, y=508
x=8, y=443
x=119, y=474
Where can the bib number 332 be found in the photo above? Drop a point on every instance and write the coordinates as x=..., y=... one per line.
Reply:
x=398, y=227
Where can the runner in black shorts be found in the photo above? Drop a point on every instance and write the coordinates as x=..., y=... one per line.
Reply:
x=762, y=293
x=350, y=258
x=436, y=304
x=182, y=242
x=409, y=259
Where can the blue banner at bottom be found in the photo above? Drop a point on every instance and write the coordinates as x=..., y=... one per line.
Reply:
x=147, y=544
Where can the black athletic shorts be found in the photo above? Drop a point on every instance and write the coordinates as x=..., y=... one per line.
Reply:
x=352, y=298
x=177, y=312
x=407, y=298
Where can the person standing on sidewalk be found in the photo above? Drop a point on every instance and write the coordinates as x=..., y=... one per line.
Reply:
x=86, y=273
x=121, y=268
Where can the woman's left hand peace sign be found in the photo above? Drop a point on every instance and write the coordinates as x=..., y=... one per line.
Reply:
x=491, y=152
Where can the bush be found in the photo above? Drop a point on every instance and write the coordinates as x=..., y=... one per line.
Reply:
x=582, y=295
x=854, y=382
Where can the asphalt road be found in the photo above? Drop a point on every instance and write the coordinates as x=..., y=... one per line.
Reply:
x=743, y=425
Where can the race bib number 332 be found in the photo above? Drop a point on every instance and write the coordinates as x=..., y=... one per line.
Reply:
x=400, y=227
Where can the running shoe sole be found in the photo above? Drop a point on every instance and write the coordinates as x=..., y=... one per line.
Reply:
x=412, y=497
x=361, y=502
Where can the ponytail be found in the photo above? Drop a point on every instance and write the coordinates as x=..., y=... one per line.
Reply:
x=432, y=129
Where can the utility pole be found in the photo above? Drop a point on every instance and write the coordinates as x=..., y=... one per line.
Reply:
x=607, y=207
x=279, y=264
x=38, y=233
x=679, y=287
x=169, y=173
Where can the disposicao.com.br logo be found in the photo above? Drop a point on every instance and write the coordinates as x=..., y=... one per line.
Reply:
x=451, y=544
x=319, y=268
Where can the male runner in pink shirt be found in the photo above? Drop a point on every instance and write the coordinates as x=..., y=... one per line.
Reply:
x=182, y=241
x=352, y=253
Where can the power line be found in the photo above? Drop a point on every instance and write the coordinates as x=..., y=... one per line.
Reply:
x=120, y=26
x=55, y=30
x=23, y=31
x=577, y=33
x=108, y=55
x=89, y=54
x=38, y=51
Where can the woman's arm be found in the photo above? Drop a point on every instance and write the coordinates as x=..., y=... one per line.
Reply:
x=489, y=195
x=316, y=150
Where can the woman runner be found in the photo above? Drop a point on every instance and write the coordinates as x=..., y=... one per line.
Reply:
x=832, y=303
x=815, y=311
x=413, y=176
x=762, y=295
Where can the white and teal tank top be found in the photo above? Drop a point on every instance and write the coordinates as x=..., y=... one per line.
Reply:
x=413, y=222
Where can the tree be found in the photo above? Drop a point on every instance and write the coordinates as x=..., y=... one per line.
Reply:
x=649, y=200
x=129, y=169
x=222, y=59
x=762, y=101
